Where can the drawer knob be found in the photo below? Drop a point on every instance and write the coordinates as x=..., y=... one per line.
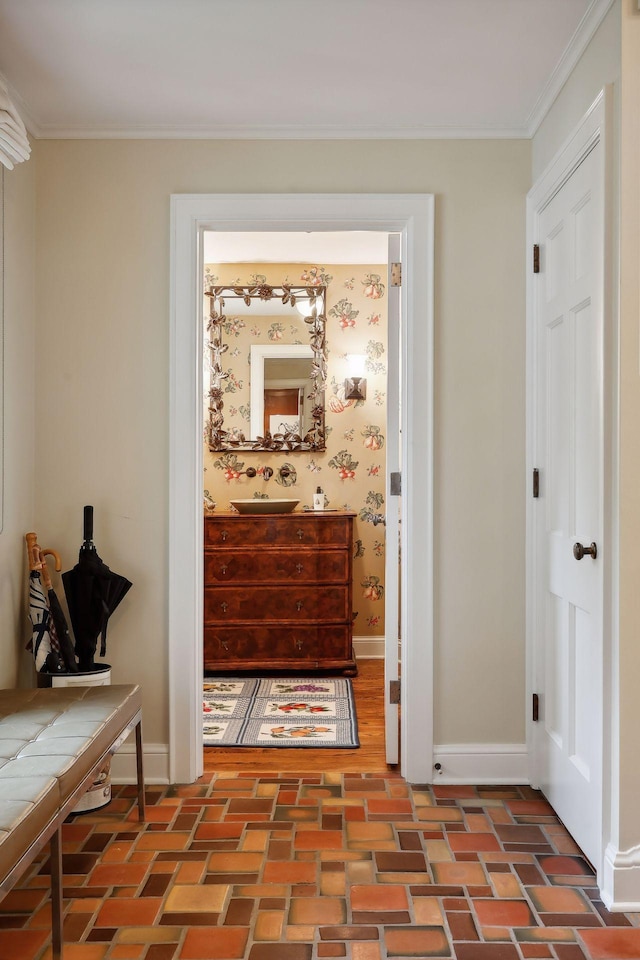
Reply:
x=300, y=534
x=299, y=567
x=299, y=605
x=225, y=645
x=223, y=569
x=224, y=605
x=224, y=534
x=299, y=643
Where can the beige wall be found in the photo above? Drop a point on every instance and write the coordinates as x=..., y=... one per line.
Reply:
x=627, y=774
x=102, y=365
x=19, y=407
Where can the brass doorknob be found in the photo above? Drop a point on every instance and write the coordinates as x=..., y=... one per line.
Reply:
x=579, y=551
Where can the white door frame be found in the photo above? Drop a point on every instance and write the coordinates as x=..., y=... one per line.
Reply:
x=595, y=126
x=411, y=215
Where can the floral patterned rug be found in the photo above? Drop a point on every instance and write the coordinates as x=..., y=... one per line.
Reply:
x=279, y=712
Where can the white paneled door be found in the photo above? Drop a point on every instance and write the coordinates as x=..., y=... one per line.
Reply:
x=568, y=513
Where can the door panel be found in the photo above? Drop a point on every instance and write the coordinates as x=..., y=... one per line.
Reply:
x=569, y=454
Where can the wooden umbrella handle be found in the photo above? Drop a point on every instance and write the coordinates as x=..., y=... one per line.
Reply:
x=46, y=576
x=33, y=551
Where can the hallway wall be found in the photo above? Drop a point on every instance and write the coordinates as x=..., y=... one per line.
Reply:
x=103, y=352
x=19, y=420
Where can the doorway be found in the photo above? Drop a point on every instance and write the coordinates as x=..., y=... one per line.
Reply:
x=412, y=217
x=257, y=366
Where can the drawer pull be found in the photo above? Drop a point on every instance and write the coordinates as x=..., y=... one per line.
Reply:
x=223, y=569
x=299, y=567
x=299, y=643
x=300, y=534
x=225, y=645
x=224, y=606
x=299, y=605
x=224, y=534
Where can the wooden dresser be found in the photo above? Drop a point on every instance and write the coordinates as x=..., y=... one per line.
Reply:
x=278, y=592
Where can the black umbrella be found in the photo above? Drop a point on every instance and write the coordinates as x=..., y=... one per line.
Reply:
x=93, y=592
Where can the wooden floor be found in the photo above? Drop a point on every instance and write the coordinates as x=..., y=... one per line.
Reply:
x=368, y=758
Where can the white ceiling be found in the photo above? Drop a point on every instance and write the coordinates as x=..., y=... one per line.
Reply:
x=290, y=68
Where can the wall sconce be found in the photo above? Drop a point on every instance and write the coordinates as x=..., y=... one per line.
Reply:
x=355, y=386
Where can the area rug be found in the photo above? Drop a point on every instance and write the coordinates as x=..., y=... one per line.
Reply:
x=279, y=712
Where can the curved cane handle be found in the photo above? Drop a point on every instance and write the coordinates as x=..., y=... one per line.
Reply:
x=33, y=551
x=46, y=576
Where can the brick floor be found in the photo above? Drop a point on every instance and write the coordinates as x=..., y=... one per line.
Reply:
x=330, y=865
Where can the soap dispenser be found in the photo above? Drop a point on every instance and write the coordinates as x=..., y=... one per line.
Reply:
x=318, y=499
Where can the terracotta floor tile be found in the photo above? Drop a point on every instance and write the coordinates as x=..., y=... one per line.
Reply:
x=318, y=840
x=558, y=900
x=186, y=898
x=214, y=943
x=416, y=942
x=504, y=913
x=473, y=841
x=21, y=944
x=280, y=951
x=612, y=943
x=128, y=913
x=459, y=873
x=377, y=897
x=262, y=867
x=317, y=910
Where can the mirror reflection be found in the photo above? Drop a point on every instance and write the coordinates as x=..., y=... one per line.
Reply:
x=266, y=396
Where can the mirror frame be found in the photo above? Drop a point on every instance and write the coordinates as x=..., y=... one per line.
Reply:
x=220, y=439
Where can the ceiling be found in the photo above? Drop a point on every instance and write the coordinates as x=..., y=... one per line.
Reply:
x=290, y=68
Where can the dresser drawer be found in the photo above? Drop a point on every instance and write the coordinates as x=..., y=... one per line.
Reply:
x=290, y=529
x=241, y=647
x=297, y=603
x=269, y=565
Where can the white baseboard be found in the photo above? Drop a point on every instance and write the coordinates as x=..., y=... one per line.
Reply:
x=479, y=763
x=368, y=648
x=155, y=760
x=620, y=887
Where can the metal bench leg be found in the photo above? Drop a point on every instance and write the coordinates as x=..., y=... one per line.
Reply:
x=139, y=772
x=56, y=893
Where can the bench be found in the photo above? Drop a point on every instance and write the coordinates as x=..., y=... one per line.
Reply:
x=53, y=743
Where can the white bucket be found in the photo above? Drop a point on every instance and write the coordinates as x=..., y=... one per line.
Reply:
x=99, y=793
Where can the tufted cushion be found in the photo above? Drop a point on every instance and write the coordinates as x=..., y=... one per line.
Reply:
x=50, y=740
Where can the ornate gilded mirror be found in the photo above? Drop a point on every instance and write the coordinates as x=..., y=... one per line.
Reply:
x=280, y=381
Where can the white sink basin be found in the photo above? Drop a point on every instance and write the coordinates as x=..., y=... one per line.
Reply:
x=264, y=506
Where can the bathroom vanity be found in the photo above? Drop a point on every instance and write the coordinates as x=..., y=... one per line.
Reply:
x=278, y=592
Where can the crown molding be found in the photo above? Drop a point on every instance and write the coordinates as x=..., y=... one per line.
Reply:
x=579, y=42
x=292, y=132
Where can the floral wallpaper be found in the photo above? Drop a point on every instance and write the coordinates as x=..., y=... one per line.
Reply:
x=351, y=471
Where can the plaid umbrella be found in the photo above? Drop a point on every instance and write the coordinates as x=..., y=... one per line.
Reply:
x=39, y=642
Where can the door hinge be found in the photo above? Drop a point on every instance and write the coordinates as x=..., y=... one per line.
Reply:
x=396, y=274
x=536, y=483
x=535, y=708
x=394, y=691
x=536, y=258
x=395, y=484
